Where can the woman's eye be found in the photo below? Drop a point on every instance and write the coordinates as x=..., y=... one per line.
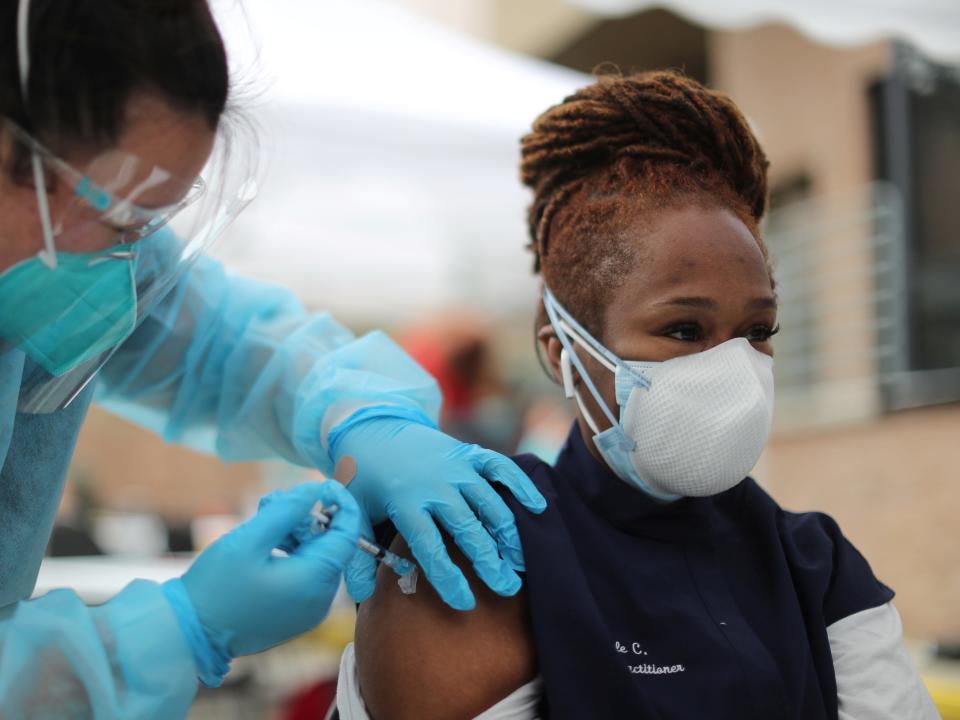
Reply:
x=685, y=332
x=762, y=333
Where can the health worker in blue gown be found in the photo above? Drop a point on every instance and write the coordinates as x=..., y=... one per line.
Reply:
x=120, y=163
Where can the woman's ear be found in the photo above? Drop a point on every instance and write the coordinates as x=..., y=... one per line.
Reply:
x=551, y=348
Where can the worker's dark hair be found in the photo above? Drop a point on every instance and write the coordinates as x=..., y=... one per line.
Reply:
x=89, y=57
x=618, y=149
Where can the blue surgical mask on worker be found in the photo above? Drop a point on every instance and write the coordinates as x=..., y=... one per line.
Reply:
x=691, y=426
x=72, y=312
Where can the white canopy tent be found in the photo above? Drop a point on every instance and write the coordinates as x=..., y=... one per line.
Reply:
x=391, y=143
x=392, y=151
x=933, y=26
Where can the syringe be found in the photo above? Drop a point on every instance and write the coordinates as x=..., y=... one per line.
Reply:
x=401, y=566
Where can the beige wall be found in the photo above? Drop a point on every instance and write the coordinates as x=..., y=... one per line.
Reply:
x=130, y=469
x=537, y=27
x=474, y=17
x=807, y=101
x=893, y=485
x=534, y=27
x=891, y=480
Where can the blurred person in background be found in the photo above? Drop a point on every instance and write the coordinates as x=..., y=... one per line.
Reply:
x=457, y=349
x=110, y=111
x=480, y=405
x=661, y=581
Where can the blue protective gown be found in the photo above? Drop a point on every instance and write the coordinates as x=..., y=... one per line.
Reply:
x=224, y=365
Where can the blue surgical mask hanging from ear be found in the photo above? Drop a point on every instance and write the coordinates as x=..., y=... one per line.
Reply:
x=691, y=426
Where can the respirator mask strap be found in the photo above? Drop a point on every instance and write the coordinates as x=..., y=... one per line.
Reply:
x=571, y=391
x=564, y=323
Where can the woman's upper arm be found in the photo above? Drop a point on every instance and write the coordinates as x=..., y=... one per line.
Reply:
x=418, y=658
x=876, y=678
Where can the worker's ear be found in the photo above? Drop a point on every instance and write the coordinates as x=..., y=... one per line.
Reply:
x=10, y=180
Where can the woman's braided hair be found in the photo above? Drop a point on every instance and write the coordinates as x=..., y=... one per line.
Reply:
x=617, y=150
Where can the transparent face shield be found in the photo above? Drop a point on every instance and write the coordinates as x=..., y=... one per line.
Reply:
x=119, y=235
x=117, y=199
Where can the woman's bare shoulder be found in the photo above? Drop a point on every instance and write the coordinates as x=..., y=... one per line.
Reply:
x=418, y=658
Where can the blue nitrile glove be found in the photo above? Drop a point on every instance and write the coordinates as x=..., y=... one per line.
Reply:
x=301, y=531
x=237, y=598
x=416, y=477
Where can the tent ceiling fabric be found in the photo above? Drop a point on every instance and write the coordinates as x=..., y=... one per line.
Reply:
x=933, y=26
x=392, y=150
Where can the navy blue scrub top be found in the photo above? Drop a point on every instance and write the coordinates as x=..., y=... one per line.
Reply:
x=711, y=607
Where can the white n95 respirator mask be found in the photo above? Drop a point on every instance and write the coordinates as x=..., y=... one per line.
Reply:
x=692, y=426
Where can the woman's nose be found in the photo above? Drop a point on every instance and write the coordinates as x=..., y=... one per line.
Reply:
x=720, y=338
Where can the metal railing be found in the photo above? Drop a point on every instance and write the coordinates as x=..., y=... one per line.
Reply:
x=841, y=271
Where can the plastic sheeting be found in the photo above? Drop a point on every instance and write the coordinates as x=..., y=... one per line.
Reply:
x=391, y=148
x=933, y=26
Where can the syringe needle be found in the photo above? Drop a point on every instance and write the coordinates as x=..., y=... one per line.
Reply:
x=401, y=566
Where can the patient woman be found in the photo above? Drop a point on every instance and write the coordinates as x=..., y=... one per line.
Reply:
x=661, y=582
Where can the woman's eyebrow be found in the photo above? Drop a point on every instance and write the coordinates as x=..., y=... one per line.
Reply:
x=760, y=303
x=763, y=303
x=691, y=301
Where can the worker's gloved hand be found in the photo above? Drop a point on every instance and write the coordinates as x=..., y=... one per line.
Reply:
x=418, y=477
x=237, y=598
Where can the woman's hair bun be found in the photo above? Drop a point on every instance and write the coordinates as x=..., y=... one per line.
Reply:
x=657, y=118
